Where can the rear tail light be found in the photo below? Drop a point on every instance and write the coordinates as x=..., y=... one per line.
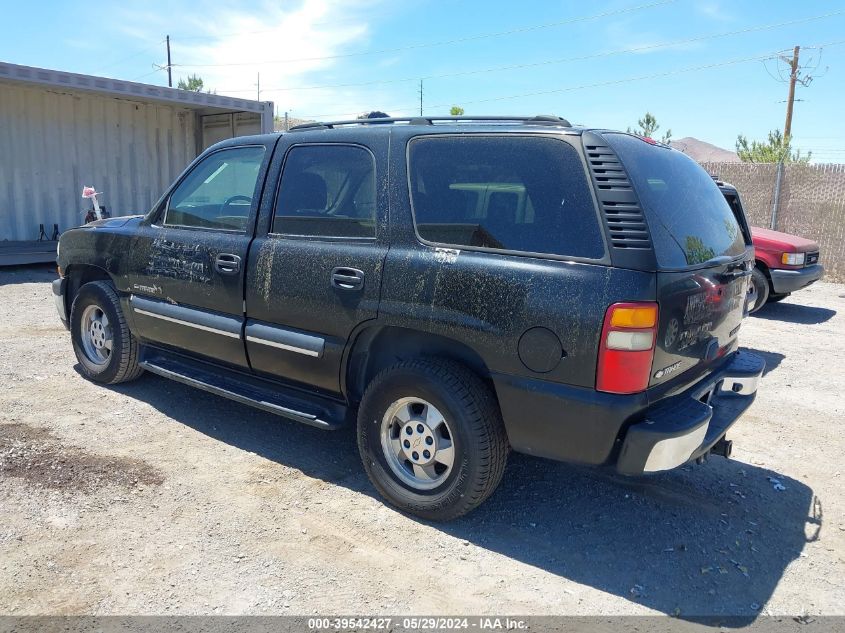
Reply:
x=626, y=350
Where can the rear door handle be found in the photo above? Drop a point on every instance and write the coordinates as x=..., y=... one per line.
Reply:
x=347, y=278
x=227, y=263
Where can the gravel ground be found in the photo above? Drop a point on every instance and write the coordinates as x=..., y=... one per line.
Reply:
x=154, y=498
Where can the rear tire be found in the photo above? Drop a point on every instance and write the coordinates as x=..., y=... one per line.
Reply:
x=105, y=348
x=432, y=439
x=761, y=285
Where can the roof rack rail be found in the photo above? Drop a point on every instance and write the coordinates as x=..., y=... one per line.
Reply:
x=543, y=119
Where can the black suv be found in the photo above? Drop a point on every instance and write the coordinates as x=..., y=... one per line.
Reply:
x=457, y=286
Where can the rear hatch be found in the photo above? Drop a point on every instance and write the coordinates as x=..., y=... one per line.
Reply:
x=704, y=259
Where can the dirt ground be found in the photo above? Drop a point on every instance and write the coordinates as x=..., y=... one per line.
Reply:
x=154, y=498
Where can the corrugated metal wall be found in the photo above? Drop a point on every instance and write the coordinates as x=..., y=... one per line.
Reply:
x=216, y=127
x=53, y=142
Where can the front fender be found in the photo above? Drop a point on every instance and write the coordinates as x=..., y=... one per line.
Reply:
x=103, y=245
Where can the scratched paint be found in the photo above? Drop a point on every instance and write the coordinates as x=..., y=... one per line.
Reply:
x=183, y=261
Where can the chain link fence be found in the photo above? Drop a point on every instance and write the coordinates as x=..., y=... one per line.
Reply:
x=809, y=201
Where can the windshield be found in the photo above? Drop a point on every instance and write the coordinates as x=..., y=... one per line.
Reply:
x=689, y=218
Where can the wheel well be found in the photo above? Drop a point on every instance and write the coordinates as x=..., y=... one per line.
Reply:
x=377, y=348
x=80, y=274
x=759, y=263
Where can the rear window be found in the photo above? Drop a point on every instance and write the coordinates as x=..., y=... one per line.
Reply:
x=503, y=192
x=689, y=219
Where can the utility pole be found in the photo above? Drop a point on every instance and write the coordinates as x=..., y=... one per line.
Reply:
x=421, y=96
x=258, y=87
x=793, y=77
x=169, y=74
x=287, y=126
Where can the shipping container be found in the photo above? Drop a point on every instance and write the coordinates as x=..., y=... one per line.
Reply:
x=61, y=131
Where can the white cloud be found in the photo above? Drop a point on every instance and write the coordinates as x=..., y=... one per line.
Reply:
x=714, y=11
x=228, y=48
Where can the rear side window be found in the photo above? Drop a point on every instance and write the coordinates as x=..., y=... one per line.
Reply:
x=689, y=219
x=503, y=192
x=327, y=191
x=736, y=206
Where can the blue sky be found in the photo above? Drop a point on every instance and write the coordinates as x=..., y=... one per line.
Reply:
x=600, y=63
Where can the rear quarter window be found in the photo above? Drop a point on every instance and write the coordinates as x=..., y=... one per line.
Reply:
x=688, y=217
x=510, y=193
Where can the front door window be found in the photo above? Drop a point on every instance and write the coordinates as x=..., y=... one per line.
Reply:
x=218, y=193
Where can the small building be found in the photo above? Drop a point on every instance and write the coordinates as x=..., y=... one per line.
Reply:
x=61, y=131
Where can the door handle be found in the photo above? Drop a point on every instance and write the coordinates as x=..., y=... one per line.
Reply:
x=347, y=278
x=227, y=263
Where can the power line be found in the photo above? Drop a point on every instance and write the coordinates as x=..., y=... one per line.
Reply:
x=761, y=57
x=127, y=58
x=827, y=44
x=668, y=73
x=460, y=40
x=798, y=75
x=630, y=79
x=154, y=70
x=621, y=51
x=600, y=84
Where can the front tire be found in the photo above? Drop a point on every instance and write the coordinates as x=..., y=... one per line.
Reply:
x=761, y=285
x=773, y=298
x=432, y=438
x=105, y=348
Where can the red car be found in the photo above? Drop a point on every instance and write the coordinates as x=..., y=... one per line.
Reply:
x=784, y=263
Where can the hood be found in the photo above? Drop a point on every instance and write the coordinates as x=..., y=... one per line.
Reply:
x=768, y=239
x=112, y=222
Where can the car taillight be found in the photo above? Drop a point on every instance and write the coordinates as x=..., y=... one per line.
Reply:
x=626, y=349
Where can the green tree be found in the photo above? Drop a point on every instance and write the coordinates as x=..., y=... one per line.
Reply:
x=194, y=83
x=456, y=111
x=648, y=128
x=696, y=252
x=776, y=149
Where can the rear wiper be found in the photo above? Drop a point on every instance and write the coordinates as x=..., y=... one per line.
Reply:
x=721, y=260
x=732, y=264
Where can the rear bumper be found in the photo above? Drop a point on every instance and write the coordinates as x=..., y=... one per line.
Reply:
x=562, y=422
x=59, y=290
x=786, y=281
x=582, y=425
x=686, y=426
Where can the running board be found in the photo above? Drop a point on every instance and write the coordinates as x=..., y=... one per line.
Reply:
x=255, y=392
